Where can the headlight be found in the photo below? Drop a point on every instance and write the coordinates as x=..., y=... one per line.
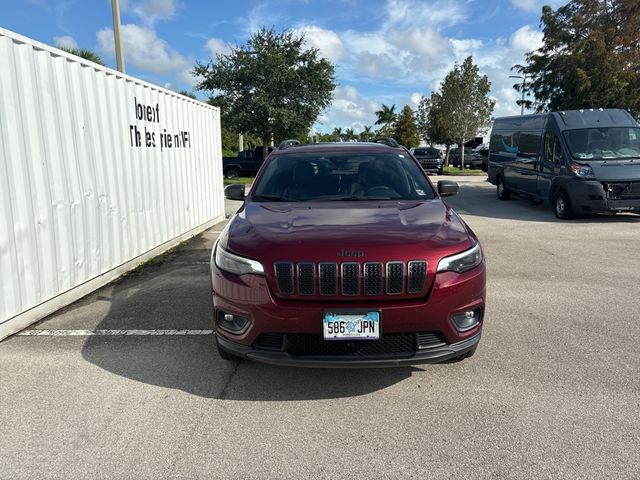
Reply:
x=236, y=264
x=582, y=171
x=461, y=262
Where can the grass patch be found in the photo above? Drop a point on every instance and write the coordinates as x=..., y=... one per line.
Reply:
x=154, y=262
x=455, y=171
x=232, y=181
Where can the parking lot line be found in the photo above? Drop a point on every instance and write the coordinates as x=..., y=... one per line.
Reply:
x=87, y=333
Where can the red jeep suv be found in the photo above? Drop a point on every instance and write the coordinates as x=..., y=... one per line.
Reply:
x=345, y=255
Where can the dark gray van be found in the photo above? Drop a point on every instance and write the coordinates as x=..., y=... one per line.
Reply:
x=580, y=161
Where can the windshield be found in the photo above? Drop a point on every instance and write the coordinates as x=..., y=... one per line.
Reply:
x=604, y=143
x=340, y=176
x=425, y=152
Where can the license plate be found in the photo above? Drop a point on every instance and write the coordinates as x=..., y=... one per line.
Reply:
x=349, y=326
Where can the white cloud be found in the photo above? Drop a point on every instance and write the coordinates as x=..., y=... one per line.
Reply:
x=415, y=99
x=425, y=41
x=526, y=5
x=65, y=41
x=348, y=110
x=326, y=41
x=144, y=50
x=216, y=46
x=526, y=39
x=150, y=11
x=407, y=14
x=186, y=76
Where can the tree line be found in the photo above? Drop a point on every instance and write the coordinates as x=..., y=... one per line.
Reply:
x=273, y=88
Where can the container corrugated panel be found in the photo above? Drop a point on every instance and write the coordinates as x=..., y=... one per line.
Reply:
x=97, y=169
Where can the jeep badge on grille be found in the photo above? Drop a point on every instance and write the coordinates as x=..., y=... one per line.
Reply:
x=350, y=253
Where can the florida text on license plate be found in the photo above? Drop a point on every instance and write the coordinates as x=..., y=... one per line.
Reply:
x=344, y=326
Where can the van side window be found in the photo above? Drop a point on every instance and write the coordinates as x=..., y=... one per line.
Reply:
x=548, y=146
x=557, y=151
x=552, y=148
x=529, y=144
x=506, y=142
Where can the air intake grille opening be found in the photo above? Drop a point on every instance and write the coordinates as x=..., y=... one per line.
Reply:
x=350, y=278
x=328, y=278
x=372, y=278
x=284, y=277
x=430, y=340
x=388, y=344
x=395, y=278
x=306, y=279
x=417, y=276
x=270, y=341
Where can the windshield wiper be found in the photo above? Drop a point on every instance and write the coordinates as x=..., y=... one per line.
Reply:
x=274, y=198
x=356, y=198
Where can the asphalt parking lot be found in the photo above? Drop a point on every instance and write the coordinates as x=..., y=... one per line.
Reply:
x=553, y=391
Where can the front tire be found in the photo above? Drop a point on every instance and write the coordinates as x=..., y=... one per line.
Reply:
x=501, y=190
x=562, y=206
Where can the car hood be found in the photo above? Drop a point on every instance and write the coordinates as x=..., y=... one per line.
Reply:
x=335, y=231
x=616, y=170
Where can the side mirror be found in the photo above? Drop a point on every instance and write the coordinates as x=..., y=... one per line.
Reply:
x=234, y=192
x=446, y=188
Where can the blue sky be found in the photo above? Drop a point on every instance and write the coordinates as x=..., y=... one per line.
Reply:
x=385, y=51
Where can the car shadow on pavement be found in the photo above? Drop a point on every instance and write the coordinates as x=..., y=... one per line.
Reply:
x=174, y=294
x=479, y=199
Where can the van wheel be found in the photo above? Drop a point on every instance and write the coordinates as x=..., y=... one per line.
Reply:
x=501, y=189
x=562, y=205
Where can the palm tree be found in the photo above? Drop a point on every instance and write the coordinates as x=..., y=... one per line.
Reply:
x=386, y=117
x=86, y=54
x=337, y=132
x=349, y=134
x=365, y=135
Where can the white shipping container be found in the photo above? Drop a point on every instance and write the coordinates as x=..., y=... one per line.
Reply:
x=99, y=171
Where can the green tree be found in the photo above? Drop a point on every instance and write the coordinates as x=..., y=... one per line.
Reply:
x=84, y=53
x=367, y=133
x=386, y=116
x=349, y=134
x=188, y=94
x=272, y=86
x=405, y=129
x=589, y=57
x=465, y=99
x=337, y=134
x=438, y=122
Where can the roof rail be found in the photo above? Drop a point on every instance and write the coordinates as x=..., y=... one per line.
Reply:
x=288, y=143
x=390, y=142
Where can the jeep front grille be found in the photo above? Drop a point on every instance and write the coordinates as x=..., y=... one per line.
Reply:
x=351, y=278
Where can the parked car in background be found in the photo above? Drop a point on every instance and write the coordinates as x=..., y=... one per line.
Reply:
x=471, y=158
x=345, y=254
x=246, y=164
x=580, y=161
x=430, y=159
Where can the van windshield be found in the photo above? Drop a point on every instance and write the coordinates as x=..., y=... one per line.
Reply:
x=604, y=143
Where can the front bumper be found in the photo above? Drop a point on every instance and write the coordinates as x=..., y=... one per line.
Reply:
x=432, y=355
x=591, y=196
x=249, y=296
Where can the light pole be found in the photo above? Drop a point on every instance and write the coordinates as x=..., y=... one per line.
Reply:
x=115, y=9
x=524, y=83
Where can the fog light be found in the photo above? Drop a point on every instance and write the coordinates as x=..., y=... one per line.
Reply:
x=467, y=320
x=232, y=323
